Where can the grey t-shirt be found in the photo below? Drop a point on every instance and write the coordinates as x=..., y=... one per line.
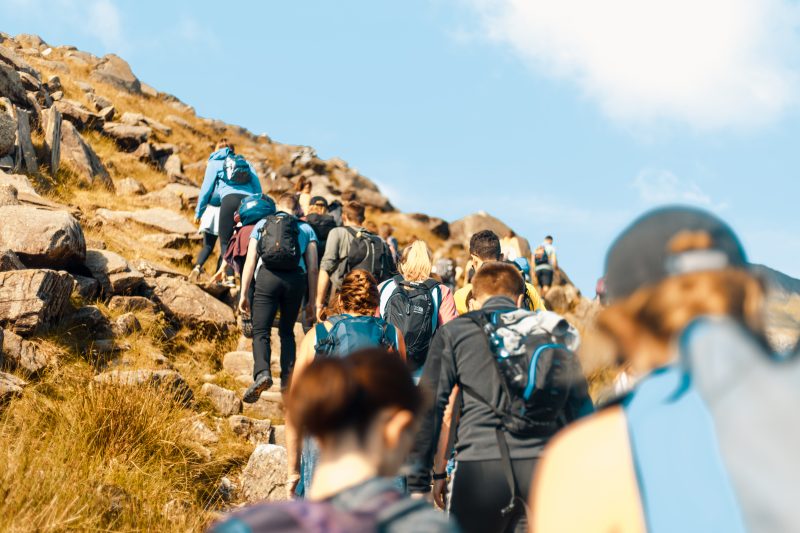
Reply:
x=337, y=248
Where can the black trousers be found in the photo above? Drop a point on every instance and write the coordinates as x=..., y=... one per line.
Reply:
x=209, y=240
x=228, y=207
x=276, y=291
x=480, y=492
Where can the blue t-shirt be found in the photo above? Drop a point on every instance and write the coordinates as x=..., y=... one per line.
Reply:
x=306, y=236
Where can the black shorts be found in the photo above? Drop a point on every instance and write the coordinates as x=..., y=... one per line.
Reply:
x=545, y=277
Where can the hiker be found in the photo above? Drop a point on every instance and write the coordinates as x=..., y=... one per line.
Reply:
x=348, y=248
x=446, y=269
x=353, y=328
x=362, y=411
x=485, y=246
x=545, y=264
x=707, y=439
x=320, y=221
x=514, y=247
x=228, y=179
x=416, y=304
x=305, y=197
x=490, y=353
x=283, y=255
x=209, y=229
x=387, y=234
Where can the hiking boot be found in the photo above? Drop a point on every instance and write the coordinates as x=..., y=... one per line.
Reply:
x=194, y=275
x=229, y=282
x=253, y=393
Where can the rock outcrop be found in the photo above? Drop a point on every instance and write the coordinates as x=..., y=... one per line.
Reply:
x=33, y=300
x=225, y=401
x=264, y=477
x=114, y=70
x=190, y=304
x=115, y=274
x=42, y=238
x=82, y=158
x=159, y=378
x=22, y=355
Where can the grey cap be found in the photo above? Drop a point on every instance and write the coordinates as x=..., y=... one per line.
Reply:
x=639, y=257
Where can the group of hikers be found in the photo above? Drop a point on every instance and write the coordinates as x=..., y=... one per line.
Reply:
x=406, y=395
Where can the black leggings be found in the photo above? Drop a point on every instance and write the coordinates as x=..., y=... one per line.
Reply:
x=480, y=491
x=209, y=240
x=228, y=207
x=274, y=291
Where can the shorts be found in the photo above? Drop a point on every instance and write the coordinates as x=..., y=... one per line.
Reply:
x=209, y=221
x=545, y=277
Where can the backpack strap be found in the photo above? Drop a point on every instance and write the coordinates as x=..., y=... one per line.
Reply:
x=508, y=471
x=386, y=293
x=433, y=285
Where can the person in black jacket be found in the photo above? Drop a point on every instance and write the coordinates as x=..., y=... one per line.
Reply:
x=460, y=354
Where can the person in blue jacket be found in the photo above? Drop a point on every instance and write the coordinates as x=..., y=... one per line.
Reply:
x=218, y=191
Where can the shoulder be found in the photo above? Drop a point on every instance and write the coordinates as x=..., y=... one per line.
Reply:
x=307, y=230
x=257, y=227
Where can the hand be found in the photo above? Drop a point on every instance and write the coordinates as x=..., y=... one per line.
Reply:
x=292, y=481
x=440, y=493
x=196, y=219
x=244, y=305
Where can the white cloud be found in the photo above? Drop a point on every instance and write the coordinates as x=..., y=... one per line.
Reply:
x=708, y=63
x=659, y=186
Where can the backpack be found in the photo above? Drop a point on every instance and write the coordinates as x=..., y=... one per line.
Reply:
x=279, y=243
x=532, y=355
x=255, y=207
x=305, y=516
x=540, y=256
x=369, y=252
x=236, y=170
x=352, y=333
x=321, y=224
x=413, y=309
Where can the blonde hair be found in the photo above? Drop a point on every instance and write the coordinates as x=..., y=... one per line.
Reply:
x=646, y=323
x=416, y=262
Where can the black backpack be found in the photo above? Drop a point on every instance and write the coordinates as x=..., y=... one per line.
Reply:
x=414, y=310
x=279, y=243
x=322, y=226
x=538, y=375
x=369, y=252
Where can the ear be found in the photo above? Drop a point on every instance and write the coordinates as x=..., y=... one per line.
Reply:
x=520, y=299
x=396, y=426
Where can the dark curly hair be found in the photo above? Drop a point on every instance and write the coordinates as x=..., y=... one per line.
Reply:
x=359, y=293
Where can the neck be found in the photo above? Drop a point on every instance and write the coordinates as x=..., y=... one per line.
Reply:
x=338, y=471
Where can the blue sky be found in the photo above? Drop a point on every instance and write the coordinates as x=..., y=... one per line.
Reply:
x=567, y=118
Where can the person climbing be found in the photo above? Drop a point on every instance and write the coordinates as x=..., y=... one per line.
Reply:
x=320, y=221
x=507, y=412
x=283, y=255
x=305, y=196
x=362, y=410
x=353, y=328
x=387, y=234
x=350, y=247
x=446, y=269
x=700, y=443
x=230, y=178
x=513, y=246
x=416, y=304
x=485, y=246
x=545, y=264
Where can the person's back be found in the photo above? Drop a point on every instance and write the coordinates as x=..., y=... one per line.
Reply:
x=461, y=354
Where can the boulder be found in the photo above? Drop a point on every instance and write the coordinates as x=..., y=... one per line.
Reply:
x=268, y=407
x=28, y=159
x=224, y=400
x=137, y=119
x=173, y=165
x=145, y=153
x=189, y=194
x=10, y=387
x=32, y=300
x=52, y=138
x=9, y=261
x=190, y=304
x=238, y=363
x=156, y=218
x=107, y=113
x=115, y=274
x=30, y=40
x=11, y=85
x=53, y=84
x=8, y=195
x=85, y=288
x=201, y=433
x=83, y=86
x=8, y=134
x=19, y=181
x=166, y=240
x=166, y=378
x=461, y=230
x=29, y=82
x=21, y=355
x=13, y=60
x=115, y=71
x=79, y=115
x=129, y=187
x=76, y=153
x=164, y=199
x=278, y=435
x=163, y=150
x=99, y=102
x=152, y=270
x=132, y=303
x=127, y=137
x=42, y=238
x=264, y=477
x=255, y=431
x=91, y=321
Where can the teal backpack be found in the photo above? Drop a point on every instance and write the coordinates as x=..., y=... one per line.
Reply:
x=236, y=170
x=352, y=333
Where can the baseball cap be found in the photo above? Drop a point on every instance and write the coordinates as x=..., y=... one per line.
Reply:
x=318, y=200
x=640, y=256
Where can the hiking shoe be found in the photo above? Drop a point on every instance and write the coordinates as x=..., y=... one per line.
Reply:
x=253, y=393
x=229, y=282
x=246, y=325
x=194, y=275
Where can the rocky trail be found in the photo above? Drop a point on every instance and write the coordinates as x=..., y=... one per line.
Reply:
x=99, y=175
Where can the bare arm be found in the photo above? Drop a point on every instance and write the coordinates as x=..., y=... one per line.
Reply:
x=322, y=288
x=247, y=275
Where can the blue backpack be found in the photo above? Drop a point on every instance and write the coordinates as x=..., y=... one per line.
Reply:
x=352, y=333
x=255, y=207
x=236, y=170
